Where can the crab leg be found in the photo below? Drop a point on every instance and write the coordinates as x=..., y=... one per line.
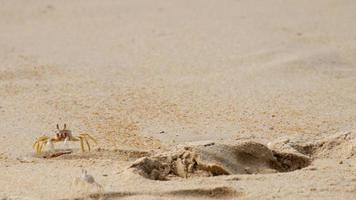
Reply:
x=89, y=136
x=38, y=140
x=81, y=143
x=65, y=141
x=86, y=141
x=37, y=147
x=41, y=147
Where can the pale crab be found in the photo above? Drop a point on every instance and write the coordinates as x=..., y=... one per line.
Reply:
x=62, y=135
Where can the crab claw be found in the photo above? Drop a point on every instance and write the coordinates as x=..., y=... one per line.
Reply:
x=50, y=145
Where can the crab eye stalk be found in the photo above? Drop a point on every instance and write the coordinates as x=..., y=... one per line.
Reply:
x=57, y=126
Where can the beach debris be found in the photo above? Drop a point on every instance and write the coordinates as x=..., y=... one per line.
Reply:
x=25, y=159
x=62, y=135
x=54, y=154
x=87, y=177
x=85, y=184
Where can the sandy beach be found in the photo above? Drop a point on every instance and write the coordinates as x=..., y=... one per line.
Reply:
x=187, y=99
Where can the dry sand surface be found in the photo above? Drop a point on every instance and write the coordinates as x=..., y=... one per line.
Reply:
x=188, y=99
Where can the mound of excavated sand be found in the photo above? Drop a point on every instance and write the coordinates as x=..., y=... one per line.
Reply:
x=217, y=159
x=213, y=159
x=338, y=146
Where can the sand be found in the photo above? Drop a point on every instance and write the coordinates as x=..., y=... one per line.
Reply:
x=147, y=78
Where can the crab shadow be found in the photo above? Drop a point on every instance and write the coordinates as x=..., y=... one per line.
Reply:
x=206, y=193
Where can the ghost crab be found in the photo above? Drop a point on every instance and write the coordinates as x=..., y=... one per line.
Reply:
x=62, y=135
